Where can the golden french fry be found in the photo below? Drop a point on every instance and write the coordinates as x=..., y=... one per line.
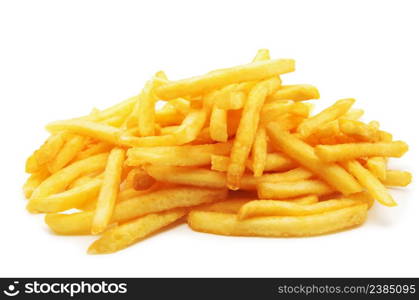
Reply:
x=283, y=190
x=189, y=176
x=33, y=181
x=329, y=114
x=370, y=182
x=186, y=155
x=202, y=84
x=298, y=92
x=360, y=130
x=260, y=208
x=259, y=152
x=247, y=130
x=147, y=203
x=228, y=224
x=57, y=182
x=108, y=191
x=131, y=232
x=93, y=149
x=218, y=125
x=274, y=162
x=48, y=151
x=378, y=166
x=95, y=130
x=333, y=153
x=72, y=198
x=67, y=153
x=146, y=107
x=169, y=115
x=123, y=108
x=397, y=178
x=232, y=100
x=231, y=206
x=303, y=153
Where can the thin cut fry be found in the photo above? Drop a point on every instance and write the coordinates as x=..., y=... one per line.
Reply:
x=259, y=208
x=187, y=155
x=247, y=130
x=218, y=125
x=67, y=153
x=370, y=182
x=228, y=224
x=72, y=198
x=378, y=166
x=108, y=191
x=154, y=202
x=332, y=153
x=329, y=114
x=126, y=234
x=298, y=92
x=397, y=178
x=259, y=152
x=202, y=84
x=303, y=153
x=99, y=131
x=57, y=182
x=283, y=190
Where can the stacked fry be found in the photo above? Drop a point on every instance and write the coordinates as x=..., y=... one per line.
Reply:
x=233, y=152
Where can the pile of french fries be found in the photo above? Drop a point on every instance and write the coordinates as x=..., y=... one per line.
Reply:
x=231, y=152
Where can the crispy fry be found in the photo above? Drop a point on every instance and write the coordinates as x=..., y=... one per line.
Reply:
x=72, y=198
x=370, y=182
x=360, y=130
x=298, y=92
x=33, y=181
x=154, y=202
x=247, y=130
x=397, y=178
x=283, y=190
x=57, y=182
x=329, y=114
x=206, y=178
x=259, y=152
x=333, y=153
x=131, y=232
x=260, y=208
x=228, y=224
x=93, y=149
x=301, y=152
x=218, y=125
x=187, y=155
x=378, y=166
x=108, y=191
x=98, y=131
x=146, y=107
x=67, y=153
x=202, y=84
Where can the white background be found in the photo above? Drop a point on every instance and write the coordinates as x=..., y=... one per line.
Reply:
x=58, y=59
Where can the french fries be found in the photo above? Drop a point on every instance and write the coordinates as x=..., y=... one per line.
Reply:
x=203, y=84
x=229, y=224
x=283, y=190
x=342, y=152
x=108, y=191
x=333, y=174
x=128, y=233
x=247, y=130
x=233, y=150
